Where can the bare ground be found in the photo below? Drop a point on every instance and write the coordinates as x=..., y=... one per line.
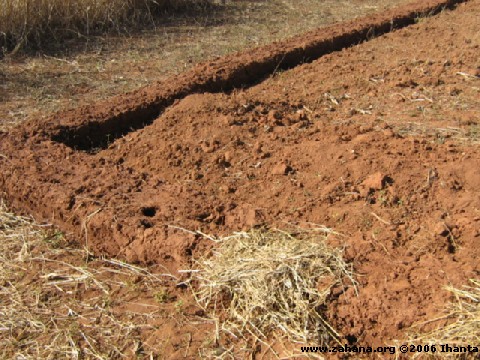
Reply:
x=385, y=152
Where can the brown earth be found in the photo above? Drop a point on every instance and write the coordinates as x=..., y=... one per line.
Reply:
x=84, y=70
x=377, y=141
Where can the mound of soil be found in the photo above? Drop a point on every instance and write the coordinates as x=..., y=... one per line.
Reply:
x=375, y=141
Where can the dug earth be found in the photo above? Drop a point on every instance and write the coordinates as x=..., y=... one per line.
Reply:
x=376, y=141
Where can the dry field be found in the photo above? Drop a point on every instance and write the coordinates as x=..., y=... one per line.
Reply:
x=81, y=72
x=35, y=23
x=166, y=244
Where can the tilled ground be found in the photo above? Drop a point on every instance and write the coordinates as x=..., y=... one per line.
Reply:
x=377, y=141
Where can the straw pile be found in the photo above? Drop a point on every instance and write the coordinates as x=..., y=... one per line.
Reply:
x=260, y=283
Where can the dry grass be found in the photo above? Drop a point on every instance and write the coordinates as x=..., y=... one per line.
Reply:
x=54, y=305
x=263, y=283
x=38, y=20
x=67, y=74
x=463, y=324
x=468, y=135
x=57, y=302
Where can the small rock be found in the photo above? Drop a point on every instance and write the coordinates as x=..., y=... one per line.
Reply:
x=389, y=133
x=451, y=148
x=442, y=229
x=228, y=156
x=281, y=169
x=227, y=189
x=454, y=185
x=227, y=120
x=375, y=181
x=254, y=217
x=257, y=147
x=195, y=175
x=453, y=91
x=207, y=147
x=297, y=117
x=274, y=117
x=365, y=129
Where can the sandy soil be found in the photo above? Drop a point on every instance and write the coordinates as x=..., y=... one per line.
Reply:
x=377, y=141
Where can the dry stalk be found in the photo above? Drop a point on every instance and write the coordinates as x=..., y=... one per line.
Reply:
x=23, y=21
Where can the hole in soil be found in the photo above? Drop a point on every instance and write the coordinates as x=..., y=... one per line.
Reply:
x=146, y=224
x=149, y=211
x=351, y=339
x=452, y=249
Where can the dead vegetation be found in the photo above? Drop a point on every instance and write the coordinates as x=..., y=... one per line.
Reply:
x=468, y=135
x=39, y=21
x=54, y=304
x=57, y=302
x=462, y=327
x=260, y=283
x=65, y=74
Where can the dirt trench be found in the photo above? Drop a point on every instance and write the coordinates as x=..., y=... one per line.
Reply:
x=94, y=129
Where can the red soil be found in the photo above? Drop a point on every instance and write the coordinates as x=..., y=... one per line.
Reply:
x=333, y=142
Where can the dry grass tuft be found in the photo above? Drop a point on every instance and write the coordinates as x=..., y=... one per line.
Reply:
x=55, y=305
x=259, y=283
x=463, y=324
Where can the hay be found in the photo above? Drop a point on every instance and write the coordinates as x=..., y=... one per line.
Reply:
x=55, y=305
x=260, y=283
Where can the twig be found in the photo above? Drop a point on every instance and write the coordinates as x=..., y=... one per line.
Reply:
x=465, y=75
x=380, y=219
